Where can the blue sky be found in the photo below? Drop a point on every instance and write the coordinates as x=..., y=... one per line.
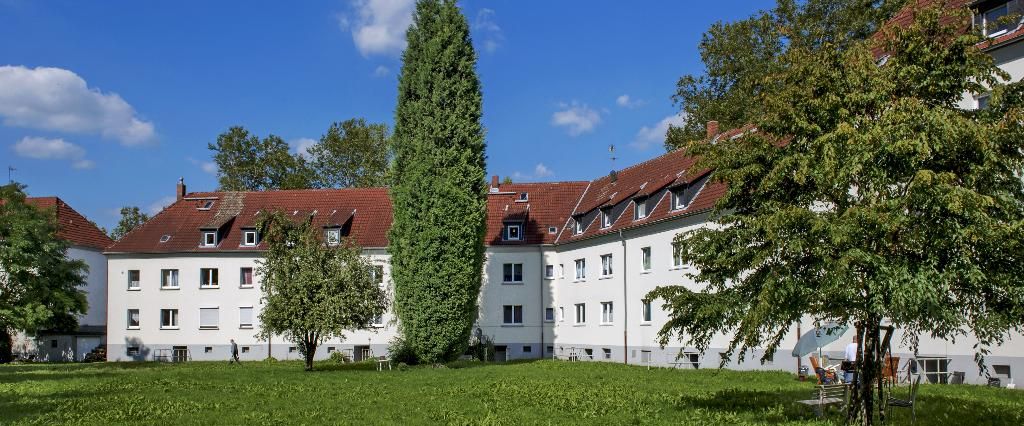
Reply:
x=108, y=103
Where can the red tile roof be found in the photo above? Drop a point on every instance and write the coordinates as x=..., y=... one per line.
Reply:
x=906, y=15
x=71, y=225
x=547, y=205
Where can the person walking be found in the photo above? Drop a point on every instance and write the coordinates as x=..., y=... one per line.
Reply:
x=849, y=366
x=234, y=353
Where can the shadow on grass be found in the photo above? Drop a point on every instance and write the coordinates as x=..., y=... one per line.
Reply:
x=12, y=374
x=326, y=366
x=14, y=408
x=772, y=406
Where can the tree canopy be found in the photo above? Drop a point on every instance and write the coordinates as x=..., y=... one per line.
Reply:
x=131, y=218
x=39, y=285
x=739, y=57
x=352, y=154
x=313, y=291
x=439, y=192
x=866, y=195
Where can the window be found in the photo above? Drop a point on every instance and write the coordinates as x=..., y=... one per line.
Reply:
x=292, y=349
x=169, y=318
x=245, y=317
x=607, y=316
x=208, y=278
x=552, y=229
x=333, y=236
x=992, y=23
x=935, y=370
x=209, y=318
x=577, y=225
x=606, y=265
x=53, y=343
x=561, y=270
x=377, y=320
x=513, y=314
x=377, y=273
x=208, y=349
x=607, y=352
x=549, y=314
x=581, y=313
x=169, y=278
x=513, y=273
x=132, y=351
x=245, y=349
x=549, y=271
x=513, y=232
x=646, y=310
x=561, y=313
x=527, y=349
x=206, y=206
x=677, y=256
x=249, y=238
x=639, y=208
x=165, y=238
x=133, y=280
x=330, y=349
x=983, y=101
x=523, y=196
x=606, y=217
x=645, y=258
x=581, y=269
x=209, y=238
x=133, y=319
x=245, y=277
x=679, y=199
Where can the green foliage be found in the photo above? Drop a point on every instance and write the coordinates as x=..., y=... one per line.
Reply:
x=739, y=57
x=338, y=358
x=400, y=351
x=247, y=163
x=543, y=392
x=131, y=218
x=885, y=200
x=439, y=193
x=39, y=285
x=313, y=291
x=352, y=154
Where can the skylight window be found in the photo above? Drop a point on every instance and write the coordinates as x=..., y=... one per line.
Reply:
x=523, y=196
x=165, y=238
x=207, y=205
x=552, y=230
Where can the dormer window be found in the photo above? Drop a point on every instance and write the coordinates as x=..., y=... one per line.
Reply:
x=679, y=201
x=250, y=238
x=523, y=197
x=577, y=225
x=639, y=208
x=209, y=238
x=333, y=236
x=513, y=232
x=993, y=22
x=606, y=218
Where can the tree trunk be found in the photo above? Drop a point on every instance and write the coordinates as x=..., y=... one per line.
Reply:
x=6, y=346
x=309, y=352
x=869, y=368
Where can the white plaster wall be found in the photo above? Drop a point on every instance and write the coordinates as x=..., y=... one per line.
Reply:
x=96, y=284
x=495, y=294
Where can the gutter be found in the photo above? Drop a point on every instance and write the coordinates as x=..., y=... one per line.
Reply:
x=625, y=302
x=543, y=307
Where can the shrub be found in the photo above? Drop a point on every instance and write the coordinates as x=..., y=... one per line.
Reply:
x=400, y=352
x=338, y=358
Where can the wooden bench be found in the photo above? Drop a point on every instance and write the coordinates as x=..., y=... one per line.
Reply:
x=826, y=395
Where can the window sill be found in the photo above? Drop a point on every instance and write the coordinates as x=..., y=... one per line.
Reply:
x=549, y=321
x=512, y=325
x=245, y=327
x=209, y=287
x=170, y=288
x=606, y=324
x=246, y=286
x=134, y=288
x=645, y=271
x=133, y=328
x=247, y=246
x=606, y=277
x=511, y=283
x=209, y=328
x=677, y=268
x=580, y=281
x=645, y=324
x=168, y=328
x=549, y=278
x=580, y=325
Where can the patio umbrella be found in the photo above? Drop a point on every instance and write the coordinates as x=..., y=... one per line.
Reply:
x=818, y=337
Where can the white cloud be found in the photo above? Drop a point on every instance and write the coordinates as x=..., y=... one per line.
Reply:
x=58, y=99
x=53, y=149
x=378, y=26
x=626, y=102
x=302, y=145
x=381, y=71
x=578, y=118
x=647, y=136
x=206, y=166
x=540, y=171
x=488, y=30
x=159, y=205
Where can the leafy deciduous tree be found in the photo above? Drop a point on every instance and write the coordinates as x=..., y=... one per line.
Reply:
x=247, y=163
x=313, y=291
x=886, y=202
x=131, y=218
x=439, y=192
x=352, y=154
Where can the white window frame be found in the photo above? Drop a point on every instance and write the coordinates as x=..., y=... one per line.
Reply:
x=241, y=277
x=209, y=239
x=549, y=271
x=211, y=276
x=581, y=313
x=581, y=269
x=172, y=317
x=252, y=313
x=512, y=278
x=645, y=259
x=607, y=313
x=577, y=226
x=513, y=309
x=138, y=319
x=985, y=24
x=377, y=321
x=606, y=218
x=508, y=232
x=250, y=233
x=678, y=195
x=169, y=279
x=332, y=236
x=209, y=326
x=561, y=270
x=607, y=265
x=549, y=314
x=135, y=285
x=677, y=259
x=561, y=314
x=639, y=208
x=646, y=312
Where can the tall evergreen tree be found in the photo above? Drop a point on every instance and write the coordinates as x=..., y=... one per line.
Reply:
x=439, y=191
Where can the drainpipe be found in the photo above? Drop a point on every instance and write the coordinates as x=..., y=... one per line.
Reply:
x=543, y=308
x=625, y=303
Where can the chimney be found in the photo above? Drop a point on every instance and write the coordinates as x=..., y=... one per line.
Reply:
x=181, y=188
x=614, y=176
x=712, y=129
x=494, y=182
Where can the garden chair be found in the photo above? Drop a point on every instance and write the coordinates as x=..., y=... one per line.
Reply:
x=911, y=402
x=826, y=395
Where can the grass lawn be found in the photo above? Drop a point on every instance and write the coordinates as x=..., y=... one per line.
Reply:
x=542, y=392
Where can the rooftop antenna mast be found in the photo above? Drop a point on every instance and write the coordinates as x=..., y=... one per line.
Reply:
x=10, y=174
x=611, y=155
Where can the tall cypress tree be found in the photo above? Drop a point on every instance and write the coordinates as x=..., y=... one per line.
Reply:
x=439, y=191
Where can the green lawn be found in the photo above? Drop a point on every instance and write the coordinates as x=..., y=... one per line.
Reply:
x=543, y=392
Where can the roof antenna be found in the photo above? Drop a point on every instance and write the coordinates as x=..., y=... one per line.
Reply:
x=10, y=174
x=611, y=154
